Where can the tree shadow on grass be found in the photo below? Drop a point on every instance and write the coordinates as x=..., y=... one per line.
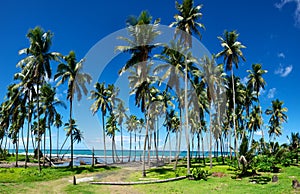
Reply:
x=260, y=180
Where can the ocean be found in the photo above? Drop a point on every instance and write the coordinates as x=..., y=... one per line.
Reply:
x=85, y=156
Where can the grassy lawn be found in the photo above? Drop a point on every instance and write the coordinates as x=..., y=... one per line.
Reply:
x=56, y=180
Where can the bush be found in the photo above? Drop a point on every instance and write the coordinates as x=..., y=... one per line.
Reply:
x=199, y=173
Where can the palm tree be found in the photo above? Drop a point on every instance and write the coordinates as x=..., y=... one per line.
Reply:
x=120, y=114
x=143, y=35
x=71, y=72
x=186, y=21
x=132, y=125
x=255, y=80
x=101, y=95
x=37, y=62
x=49, y=104
x=111, y=128
x=255, y=120
x=295, y=144
x=187, y=24
x=72, y=130
x=278, y=116
x=232, y=54
x=58, y=123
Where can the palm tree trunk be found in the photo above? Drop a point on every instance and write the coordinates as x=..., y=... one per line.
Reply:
x=210, y=139
x=145, y=142
x=50, y=139
x=122, y=142
x=134, y=145
x=38, y=126
x=57, y=143
x=71, y=131
x=234, y=124
x=170, y=159
x=203, y=156
x=112, y=148
x=155, y=145
x=17, y=150
x=179, y=142
x=104, y=143
x=130, y=142
x=28, y=134
x=221, y=149
x=186, y=119
x=168, y=133
x=198, y=146
x=44, y=147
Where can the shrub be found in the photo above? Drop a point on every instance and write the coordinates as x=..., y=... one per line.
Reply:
x=199, y=173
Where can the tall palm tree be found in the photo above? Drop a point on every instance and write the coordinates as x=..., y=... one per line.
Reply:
x=132, y=125
x=120, y=114
x=140, y=44
x=278, y=116
x=102, y=96
x=294, y=140
x=232, y=53
x=255, y=121
x=37, y=62
x=186, y=23
x=71, y=72
x=111, y=128
x=256, y=81
x=49, y=104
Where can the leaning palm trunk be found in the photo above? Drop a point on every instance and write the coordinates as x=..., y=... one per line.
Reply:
x=155, y=145
x=165, y=144
x=186, y=119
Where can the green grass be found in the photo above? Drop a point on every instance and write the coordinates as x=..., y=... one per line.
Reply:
x=32, y=174
x=52, y=180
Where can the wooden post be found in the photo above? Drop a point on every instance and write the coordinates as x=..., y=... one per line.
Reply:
x=93, y=158
x=74, y=180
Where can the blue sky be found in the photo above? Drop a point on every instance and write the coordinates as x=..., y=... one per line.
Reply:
x=270, y=30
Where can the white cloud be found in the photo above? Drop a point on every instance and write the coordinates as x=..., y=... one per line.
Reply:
x=284, y=71
x=297, y=11
x=281, y=55
x=259, y=133
x=272, y=93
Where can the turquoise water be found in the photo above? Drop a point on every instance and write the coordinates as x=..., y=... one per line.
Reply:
x=86, y=155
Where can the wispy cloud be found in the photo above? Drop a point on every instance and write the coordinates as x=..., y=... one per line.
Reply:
x=281, y=55
x=244, y=80
x=284, y=71
x=271, y=93
x=297, y=11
